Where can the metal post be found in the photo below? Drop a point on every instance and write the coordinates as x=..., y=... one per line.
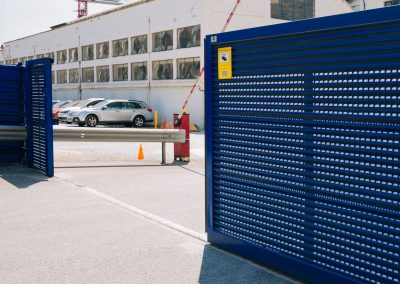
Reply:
x=163, y=146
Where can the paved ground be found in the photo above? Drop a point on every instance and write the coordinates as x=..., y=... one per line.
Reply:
x=107, y=217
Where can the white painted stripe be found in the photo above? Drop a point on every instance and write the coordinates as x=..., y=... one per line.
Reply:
x=147, y=215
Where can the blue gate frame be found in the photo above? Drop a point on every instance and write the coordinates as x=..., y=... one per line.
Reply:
x=303, y=147
x=39, y=115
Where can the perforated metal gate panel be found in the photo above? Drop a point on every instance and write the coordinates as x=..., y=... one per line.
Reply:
x=39, y=118
x=303, y=147
x=11, y=109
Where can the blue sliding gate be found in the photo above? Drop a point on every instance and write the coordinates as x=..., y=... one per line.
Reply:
x=26, y=100
x=11, y=109
x=39, y=115
x=303, y=146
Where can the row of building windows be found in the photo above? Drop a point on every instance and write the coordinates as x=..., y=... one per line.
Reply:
x=188, y=68
x=292, y=10
x=161, y=41
x=392, y=3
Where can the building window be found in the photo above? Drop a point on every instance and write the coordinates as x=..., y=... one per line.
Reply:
x=120, y=47
x=22, y=60
x=61, y=57
x=139, y=44
x=52, y=78
x=163, y=41
x=50, y=55
x=188, y=68
x=14, y=61
x=73, y=54
x=103, y=73
x=73, y=76
x=61, y=76
x=102, y=50
x=87, y=52
x=1, y=63
x=120, y=72
x=163, y=70
x=88, y=75
x=139, y=71
x=292, y=10
x=392, y=3
x=189, y=37
x=30, y=57
x=40, y=56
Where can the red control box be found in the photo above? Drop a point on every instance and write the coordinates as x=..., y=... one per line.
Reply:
x=182, y=150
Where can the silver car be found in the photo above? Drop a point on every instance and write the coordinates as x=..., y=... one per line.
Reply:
x=132, y=113
x=63, y=114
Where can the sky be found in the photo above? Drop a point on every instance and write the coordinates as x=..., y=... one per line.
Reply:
x=19, y=18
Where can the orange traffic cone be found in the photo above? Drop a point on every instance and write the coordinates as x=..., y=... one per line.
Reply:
x=141, y=153
x=164, y=122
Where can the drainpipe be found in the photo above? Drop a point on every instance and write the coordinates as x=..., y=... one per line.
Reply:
x=79, y=67
x=149, y=64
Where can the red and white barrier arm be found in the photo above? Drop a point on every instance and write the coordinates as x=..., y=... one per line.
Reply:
x=177, y=121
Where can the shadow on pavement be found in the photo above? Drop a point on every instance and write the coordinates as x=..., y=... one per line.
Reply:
x=221, y=267
x=20, y=176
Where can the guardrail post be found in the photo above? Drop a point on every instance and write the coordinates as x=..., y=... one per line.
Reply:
x=164, y=158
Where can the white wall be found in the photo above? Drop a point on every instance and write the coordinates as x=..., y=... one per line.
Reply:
x=331, y=7
x=373, y=4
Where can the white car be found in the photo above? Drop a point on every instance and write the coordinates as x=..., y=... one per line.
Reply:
x=62, y=115
x=127, y=112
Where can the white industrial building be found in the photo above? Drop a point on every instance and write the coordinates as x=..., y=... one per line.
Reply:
x=150, y=50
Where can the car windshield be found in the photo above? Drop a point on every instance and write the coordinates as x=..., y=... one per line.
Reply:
x=71, y=104
x=83, y=103
x=101, y=104
x=59, y=104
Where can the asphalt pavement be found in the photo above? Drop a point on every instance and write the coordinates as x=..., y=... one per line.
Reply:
x=108, y=218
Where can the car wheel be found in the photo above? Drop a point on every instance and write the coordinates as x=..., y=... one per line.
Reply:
x=81, y=124
x=91, y=121
x=138, y=121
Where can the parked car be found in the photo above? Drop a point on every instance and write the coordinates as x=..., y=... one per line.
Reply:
x=128, y=112
x=62, y=115
x=59, y=106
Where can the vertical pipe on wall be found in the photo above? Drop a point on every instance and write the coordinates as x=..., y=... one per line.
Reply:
x=79, y=66
x=149, y=63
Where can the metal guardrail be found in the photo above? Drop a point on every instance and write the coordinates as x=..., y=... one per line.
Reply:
x=72, y=134
x=12, y=133
x=119, y=135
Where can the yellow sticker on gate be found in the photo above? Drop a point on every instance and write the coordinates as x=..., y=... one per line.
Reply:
x=225, y=63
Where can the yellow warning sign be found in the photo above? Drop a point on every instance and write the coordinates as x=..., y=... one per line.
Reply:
x=225, y=63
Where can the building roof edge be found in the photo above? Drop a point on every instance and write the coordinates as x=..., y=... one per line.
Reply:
x=63, y=25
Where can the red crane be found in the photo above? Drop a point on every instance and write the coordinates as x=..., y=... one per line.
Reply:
x=83, y=5
x=82, y=8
